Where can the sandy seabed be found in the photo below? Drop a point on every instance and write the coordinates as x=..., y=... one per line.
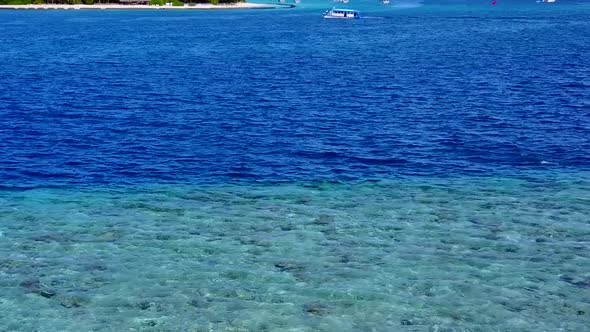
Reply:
x=420, y=254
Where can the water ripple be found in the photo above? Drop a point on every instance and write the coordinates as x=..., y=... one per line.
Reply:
x=303, y=100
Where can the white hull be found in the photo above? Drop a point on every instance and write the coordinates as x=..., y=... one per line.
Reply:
x=342, y=17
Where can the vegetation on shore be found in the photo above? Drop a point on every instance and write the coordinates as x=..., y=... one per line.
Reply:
x=112, y=2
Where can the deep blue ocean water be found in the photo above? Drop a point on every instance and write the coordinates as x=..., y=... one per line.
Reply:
x=281, y=95
x=424, y=168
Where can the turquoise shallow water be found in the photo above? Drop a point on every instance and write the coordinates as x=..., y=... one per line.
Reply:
x=415, y=254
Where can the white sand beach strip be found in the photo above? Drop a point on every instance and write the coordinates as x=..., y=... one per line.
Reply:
x=239, y=5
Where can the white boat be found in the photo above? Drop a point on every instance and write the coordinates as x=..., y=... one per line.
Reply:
x=342, y=1
x=385, y=1
x=342, y=13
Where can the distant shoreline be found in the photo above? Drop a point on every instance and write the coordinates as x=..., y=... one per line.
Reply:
x=239, y=5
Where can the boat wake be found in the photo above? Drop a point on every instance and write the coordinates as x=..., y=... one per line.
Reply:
x=407, y=4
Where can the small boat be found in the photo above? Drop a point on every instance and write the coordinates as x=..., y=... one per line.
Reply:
x=342, y=13
x=385, y=1
x=342, y=1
